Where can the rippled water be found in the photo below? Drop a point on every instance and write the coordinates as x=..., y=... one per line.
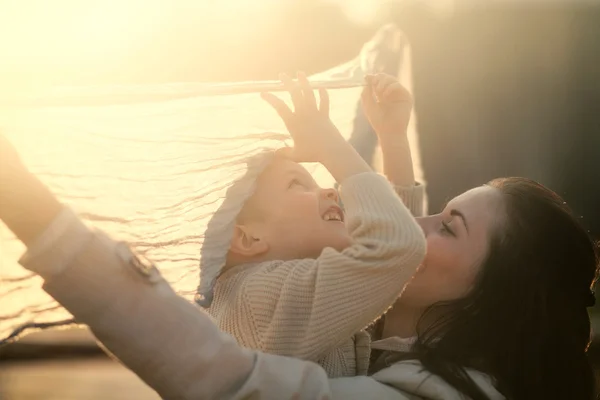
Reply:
x=150, y=173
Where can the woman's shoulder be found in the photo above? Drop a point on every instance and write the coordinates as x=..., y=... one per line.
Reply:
x=406, y=380
x=410, y=377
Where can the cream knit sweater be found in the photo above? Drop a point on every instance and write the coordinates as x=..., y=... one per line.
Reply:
x=313, y=308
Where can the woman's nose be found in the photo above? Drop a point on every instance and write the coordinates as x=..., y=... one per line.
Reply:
x=425, y=223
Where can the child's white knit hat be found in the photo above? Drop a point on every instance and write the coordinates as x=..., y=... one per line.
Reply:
x=219, y=231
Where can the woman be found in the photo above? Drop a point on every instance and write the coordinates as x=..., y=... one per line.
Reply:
x=498, y=307
x=504, y=290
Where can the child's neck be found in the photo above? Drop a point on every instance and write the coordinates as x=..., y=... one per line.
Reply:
x=233, y=260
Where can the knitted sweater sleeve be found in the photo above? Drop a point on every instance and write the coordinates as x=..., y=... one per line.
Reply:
x=304, y=308
x=413, y=197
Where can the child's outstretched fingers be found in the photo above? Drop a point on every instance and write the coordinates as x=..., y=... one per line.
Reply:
x=313, y=132
x=295, y=92
x=309, y=96
x=279, y=105
x=367, y=98
x=395, y=92
x=387, y=104
x=381, y=83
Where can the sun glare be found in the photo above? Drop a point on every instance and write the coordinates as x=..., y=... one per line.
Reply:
x=38, y=36
x=60, y=31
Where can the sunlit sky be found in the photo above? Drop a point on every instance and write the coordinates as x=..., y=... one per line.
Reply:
x=72, y=35
x=92, y=30
x=40, y=36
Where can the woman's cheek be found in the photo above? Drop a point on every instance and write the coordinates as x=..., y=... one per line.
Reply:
x=434, y=250
x=441, y=257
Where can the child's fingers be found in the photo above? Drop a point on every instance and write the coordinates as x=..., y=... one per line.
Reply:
x=394, y=92
x=367, y=98
x=383, y=81
x=371, y=81
x=368, y=90
x=324, y=102
x=380, y=86
x=307, y=91
x=279, y=105
x=294, y=89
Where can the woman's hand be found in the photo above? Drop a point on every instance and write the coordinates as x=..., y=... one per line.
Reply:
x=315, y=136
x=26, y=206
x=8, y=153
x=10, y=166
x=387, y=105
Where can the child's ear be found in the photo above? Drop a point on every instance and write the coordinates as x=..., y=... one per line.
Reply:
x=247, y=243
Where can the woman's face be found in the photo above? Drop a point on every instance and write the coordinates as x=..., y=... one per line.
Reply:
x=457, y=242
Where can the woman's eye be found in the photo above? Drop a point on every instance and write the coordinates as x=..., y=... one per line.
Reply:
x=446, y=229
x=294, y=182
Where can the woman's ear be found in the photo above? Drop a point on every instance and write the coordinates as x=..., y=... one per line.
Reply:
x=247, y=243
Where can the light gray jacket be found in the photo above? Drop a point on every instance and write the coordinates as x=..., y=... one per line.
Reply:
x=173, y=346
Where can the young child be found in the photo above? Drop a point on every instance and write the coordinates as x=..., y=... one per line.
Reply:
x=303, y=277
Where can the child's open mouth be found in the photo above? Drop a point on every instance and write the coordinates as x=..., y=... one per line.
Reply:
x=333, y=214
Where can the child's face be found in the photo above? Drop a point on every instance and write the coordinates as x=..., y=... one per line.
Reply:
x=293, y=216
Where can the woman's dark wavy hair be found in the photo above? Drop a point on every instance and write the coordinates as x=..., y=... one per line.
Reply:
x=525, y=323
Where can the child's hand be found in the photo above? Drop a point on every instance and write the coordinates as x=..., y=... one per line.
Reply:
x=387, y=105
x=313, y=132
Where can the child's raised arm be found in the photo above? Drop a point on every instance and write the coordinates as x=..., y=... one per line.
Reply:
x=388, y=105
x=305, y=308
